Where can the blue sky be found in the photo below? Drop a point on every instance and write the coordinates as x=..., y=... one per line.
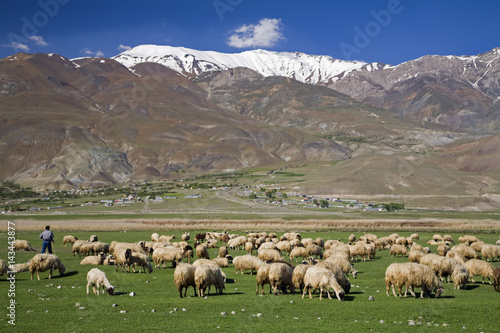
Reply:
x=389, y=31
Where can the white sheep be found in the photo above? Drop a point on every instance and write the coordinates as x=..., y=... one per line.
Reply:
x=466, y=250
x=184, y=278
x=166, y=254
x=298, y=251
x=243, y=263
x=155, y=237
x=490, y=251
x=477, y=246
x=268, y=254
x=223, y=252
x=21, y=244
x=415, y=256
x=322, y=279
x=45, y=262
x=358, y=250
x=206, y=276
x=122, y=258
x=298, y=276
x=468, y=239
x=93, y=260
x=479, y=267
x=398, y=249
x=93, y=238
x=412, y=275
x=202, y=251
x=352, y=239
x=69, y=239
x=314, y=250
x=339, y=274
x=346, y=266
x=280, y=276
x=443, y=249
x=262, y=277
x=460, y=277
x=77, y=245
x=97, y=278
x=19, y=268
x=237, y=242
x=166, y=238
x=186, y=236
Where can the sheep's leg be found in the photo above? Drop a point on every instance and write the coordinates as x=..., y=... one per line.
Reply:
x=257, y=291
x=88, y=288
x=38, y=275
x=328, y=293
x=310, y=291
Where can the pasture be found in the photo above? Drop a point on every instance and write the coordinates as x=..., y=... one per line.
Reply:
x=61, y=304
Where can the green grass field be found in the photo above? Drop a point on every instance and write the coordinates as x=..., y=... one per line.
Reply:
x=51, y=305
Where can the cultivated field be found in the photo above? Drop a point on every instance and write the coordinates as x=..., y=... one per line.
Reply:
x=61, y=304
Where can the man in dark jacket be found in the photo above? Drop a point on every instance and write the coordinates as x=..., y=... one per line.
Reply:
x=48, y=237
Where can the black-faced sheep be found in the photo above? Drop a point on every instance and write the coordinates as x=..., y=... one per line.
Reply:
x=97, y=278
x=45, y=262
x=352, y=239
x=322, y=279
x=206, y=276
x=69, y=239
x=186, y=236
x=184, y=278
x=247, y=262
x=479, y=267
x=21, y=244
x=93, y=238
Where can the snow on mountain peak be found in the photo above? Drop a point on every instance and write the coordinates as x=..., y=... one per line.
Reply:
x=306, y=68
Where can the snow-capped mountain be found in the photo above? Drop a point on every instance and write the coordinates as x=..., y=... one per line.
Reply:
x=302, y=67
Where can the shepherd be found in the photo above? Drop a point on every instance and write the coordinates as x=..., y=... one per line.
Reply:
x=48, y=237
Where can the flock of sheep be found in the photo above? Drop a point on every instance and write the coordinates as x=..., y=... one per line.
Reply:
x=325, y=265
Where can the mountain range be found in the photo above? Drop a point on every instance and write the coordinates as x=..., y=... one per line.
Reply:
x=157, y=112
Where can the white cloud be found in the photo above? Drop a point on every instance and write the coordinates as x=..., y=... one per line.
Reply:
x=88, y=52
x=38, y=40
x=122, y=47
x=17, y=46
x=264, y=34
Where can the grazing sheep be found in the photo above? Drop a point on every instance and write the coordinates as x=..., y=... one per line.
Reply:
x=166, y=254
x=468, y=239
x=69, y=239
x=206, y=276
x=339, y=274
x=322, y=279
x=344, y=264
x=443, y=249
x=314, y=250
x=268, y=254
x=398, y=249
x=401, y=241
x=371, y=250
x=122, y=258
x=437, y=238
x=186, y=236
x=331, y=243
x=498, y=242
x=358, y=250
x=93, y=260
x=448, y=238
x=266, y=246
x=223, y=252
x=21, y=244
x=457, y=256
x=211, y=244
x=298, y=276
x=237, y=242
x=496, y=279
x=184, y=278
x=134, y=247
x=490, y=251
x=262, y=277
x=45, y=262
x=479, y=267
x=466, y=250
x=298, y=251
x=320, y=242
x=77, y=245
x=202, y=251
x=412, y=275
x=284, y=246
x=416, y=247
x=280, y=276
x=97, y=278
x=242, y=263
x=460, y=277
x=155, y=237
x=478, y=246
x=339, y=252
x=93, y=238
x=141, y=260
x=415, y=236
x=415, y=256
x=307, y=241
x=222, y=262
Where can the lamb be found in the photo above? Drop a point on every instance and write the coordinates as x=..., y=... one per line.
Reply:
x=141, y=260
x=262, y=277
x=243, y=263
x=97, y=278
x=122, y=258
x=206, y=276
x=344, y=264
x=460, y=277
x=267, y=254
x=21, y=244
x=322, y=279
x=69, y=239
x=93, y=260
x=490, y=251
x=298, y=251
x=496, y=279
x=93, y=238
x=280, y=276
x=184, y=278
x=398, y=249
x=202, y=251
x=155, y=237
x=479, y=267
x=45, y=262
